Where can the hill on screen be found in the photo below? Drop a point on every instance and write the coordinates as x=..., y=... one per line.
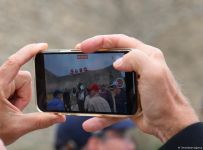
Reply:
x=102, y=76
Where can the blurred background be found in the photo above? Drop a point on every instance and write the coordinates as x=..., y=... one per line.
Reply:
x=174, y=26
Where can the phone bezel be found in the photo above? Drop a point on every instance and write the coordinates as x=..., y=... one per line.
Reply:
x=41, y=88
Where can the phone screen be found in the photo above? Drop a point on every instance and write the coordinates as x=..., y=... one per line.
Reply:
x=84, y=83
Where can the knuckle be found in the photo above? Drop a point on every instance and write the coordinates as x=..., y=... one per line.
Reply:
x=44, y=123
x=26, y=75
x=40, y=124
x=107, y=43
x=12, y=61
x=158, y=54
x=159, y=73
x=154, y=52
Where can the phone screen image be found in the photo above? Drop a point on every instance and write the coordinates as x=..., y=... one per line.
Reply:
x=84, y=83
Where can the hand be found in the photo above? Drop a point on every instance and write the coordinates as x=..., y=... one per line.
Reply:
x=15, y=94
x=165, y=110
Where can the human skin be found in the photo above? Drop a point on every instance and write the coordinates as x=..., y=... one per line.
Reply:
x=16, y=93
x=165, y=110
x=111, y=143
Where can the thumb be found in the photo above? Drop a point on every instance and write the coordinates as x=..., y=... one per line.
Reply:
x=34, y=121
x=134, y=60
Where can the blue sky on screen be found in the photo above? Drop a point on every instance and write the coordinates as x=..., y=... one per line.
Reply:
x=61, y=64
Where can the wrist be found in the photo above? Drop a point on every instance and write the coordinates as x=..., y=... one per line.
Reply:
x=182, y=118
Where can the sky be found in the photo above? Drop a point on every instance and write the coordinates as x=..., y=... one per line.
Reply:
x=60, y=64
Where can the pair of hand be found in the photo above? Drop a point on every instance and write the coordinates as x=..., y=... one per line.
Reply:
x=165, y=110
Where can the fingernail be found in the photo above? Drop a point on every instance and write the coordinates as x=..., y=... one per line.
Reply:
x=78, y=46
x=118, y=62
x=60, y=118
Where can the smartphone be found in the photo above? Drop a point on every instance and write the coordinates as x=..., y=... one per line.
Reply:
x=76, y=83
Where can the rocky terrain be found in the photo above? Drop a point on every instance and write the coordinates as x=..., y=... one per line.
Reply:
x=175, y=26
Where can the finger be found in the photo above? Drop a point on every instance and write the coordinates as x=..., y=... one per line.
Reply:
x=108, y=41
x=11, y=67
x=135, y=60
x=35, y=121
x=23, y=90
x=2, y=147
x=97, y=123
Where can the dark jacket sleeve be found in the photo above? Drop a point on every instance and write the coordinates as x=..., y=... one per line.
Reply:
x=189, y=138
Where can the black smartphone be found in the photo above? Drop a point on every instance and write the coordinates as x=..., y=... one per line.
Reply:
x=76, y=83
